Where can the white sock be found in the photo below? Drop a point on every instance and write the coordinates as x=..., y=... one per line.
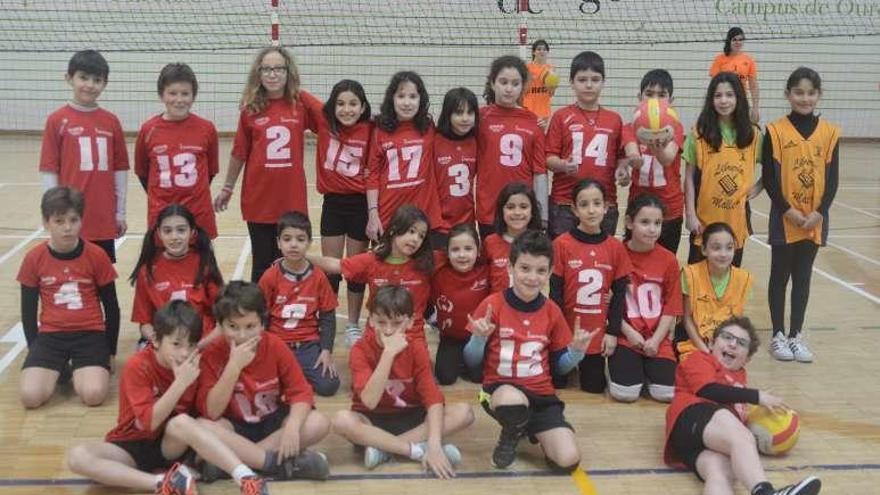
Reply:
x=416, y=451
x=241, y=471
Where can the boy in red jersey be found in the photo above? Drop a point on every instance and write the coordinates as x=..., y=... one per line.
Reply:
x=154, y=430
x=253, y=395
x=656, y=167
x=397, y=407
x=705, y=428
x=583, y=143
x=532, y=342
x=84, y=148
x=70, y=280
x=302, y=304
x=176, y=154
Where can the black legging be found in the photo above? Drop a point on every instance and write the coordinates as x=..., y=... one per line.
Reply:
x=795, y=261
x=449, y=363
x=264, y=248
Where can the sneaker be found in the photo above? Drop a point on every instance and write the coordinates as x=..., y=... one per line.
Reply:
x=799, y=350
x=308, y=465
x=807, y=486
x=212, y=473
x=451, y=451
x=353, y=333
x=373, y=457
x=780, y=348
x=505, y=452
x=254, y=485
x=178, y=481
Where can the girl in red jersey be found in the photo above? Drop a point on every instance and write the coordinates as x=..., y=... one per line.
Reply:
x=344, y=135
x=176, y=262
x=516, y=211
x=590, y=276
x=455, y=157
x=653, y=302
x=176, y=154
x=510, y=144
x=401, y=258
x=460, y=283
x=399, y=165
x=269, y=146
x=705, y=428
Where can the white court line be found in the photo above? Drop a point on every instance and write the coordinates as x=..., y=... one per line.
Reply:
x=15, y=336
x=860, y=188
x=18, y=247
x=242, y=259
x=858, y=210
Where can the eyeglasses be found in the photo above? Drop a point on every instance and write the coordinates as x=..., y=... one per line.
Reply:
x=729, y=337
x=738, y=38
x=267, y=71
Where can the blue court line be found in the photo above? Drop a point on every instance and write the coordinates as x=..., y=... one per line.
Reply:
x=17, y=482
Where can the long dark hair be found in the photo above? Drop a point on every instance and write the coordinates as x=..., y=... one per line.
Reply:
x=708, y=127
x=499, y=64
x=455, y=99
x=504, y=195
x=387, y=118
x=207, y=270
x=405, y=217
x=342, y=86
x=731, y=34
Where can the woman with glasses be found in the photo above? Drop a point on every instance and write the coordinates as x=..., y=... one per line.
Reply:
x=735, y=60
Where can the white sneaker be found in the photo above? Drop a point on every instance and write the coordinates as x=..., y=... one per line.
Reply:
x=780, y=348
x=799, y=350
x=373, y=457
x=451, y=451
x=353, y=333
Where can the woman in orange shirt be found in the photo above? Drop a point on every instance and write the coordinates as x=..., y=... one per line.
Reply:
x=538, y=93
x=735, y=60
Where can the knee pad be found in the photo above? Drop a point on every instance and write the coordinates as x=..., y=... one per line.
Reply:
x=516, y=417
x=625, y=393
x=356, y=287
x=661, y=393
x=334, y=279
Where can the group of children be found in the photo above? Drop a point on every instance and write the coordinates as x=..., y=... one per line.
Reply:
x=458, y=211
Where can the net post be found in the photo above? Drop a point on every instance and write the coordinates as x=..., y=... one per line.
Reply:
x=275, y=31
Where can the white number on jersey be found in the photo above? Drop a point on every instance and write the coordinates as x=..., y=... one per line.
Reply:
x=292, y=314
x=651, y=165
x=68, y=295
x=265, y=403
x=178, y=295
x=529, y=363
x=186, y=177
x=86, y=160
x=346, y=160
x=597, y=149
x=412, y=155
x=646, y=301
x=511, y=150
x=461, y=177
x=588, y=294
x=279, y=139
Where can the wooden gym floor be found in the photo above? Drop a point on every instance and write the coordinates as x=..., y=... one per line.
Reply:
x=837, y=396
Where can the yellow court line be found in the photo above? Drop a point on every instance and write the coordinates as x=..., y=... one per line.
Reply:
x=583, y=482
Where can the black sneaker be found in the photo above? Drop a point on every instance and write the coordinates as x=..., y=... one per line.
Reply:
x=505, y=452
x=807, y=486
x=307, y=465
x=212, y=473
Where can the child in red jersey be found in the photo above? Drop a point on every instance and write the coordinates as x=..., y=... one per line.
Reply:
x=653, y=303
x=399, y=166
x=84, y=148
x=176, y=153
x=397, y=407
x=253, y=395
x=154, y=431
x=455, y=158
x=583, y=143
x=510, y=144
x=344, y=135
x=516, y=210
x=528, y=342
x=177, y=263
x=590, y=277
x=705, y=428
x=275, y=113
x=656, y=166
x=401, y=258
x=70, y=280
x=460, y=283
x=302, y=305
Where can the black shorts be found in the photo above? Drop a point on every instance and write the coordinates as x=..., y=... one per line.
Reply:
x=256, y=432
x=52, y=350
x=686, y=438
x=399, y=422
x=545, y=411
x=344, y=214
x=147, y=454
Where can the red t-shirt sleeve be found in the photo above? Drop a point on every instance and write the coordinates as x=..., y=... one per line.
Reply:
x=538, y=156
x=294, y=386
x=356, y=268
x=120, y=152
x=314, y=110
x=623, y=265
x=373, y=165
x=327, y=300
x=141, y=153
x=628, y=135
x=50, y=154
x=554, y=140
x=138, y=388
x=104, y=271
x=424, y=377
x=142, y=309
x=697, y=372
x=241, y=146
x=211, y=367
x=560, y=332
x=361, y=371
x=673, y=300
x=213, y=151
x=27, y=273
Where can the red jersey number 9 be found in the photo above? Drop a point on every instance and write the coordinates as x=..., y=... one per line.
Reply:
x=511, y=147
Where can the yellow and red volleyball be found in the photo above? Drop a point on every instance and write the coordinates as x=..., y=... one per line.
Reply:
x=654, y=119
x=775, y=432
x=551, y=79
